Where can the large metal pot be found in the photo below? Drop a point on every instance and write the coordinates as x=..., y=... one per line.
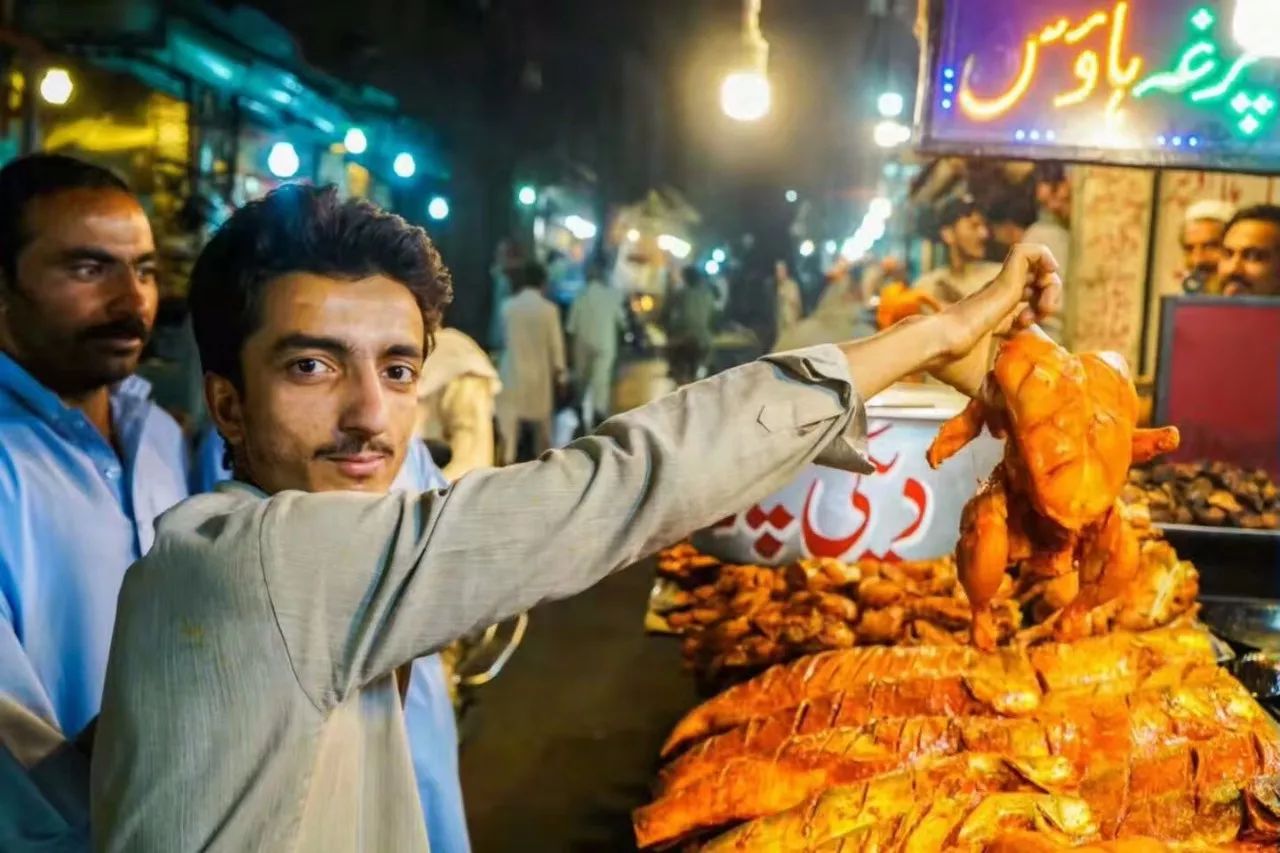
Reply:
x=905, y=510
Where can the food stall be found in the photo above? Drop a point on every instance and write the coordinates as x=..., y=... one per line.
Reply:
x=1160, y=106
x=1026, y=667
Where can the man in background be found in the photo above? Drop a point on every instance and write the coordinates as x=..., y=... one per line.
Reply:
x=532, y=367
x=596, y=320
x=790, y=302
x=1250, y=264
x=963, y=230
x=1201, y=241
x=87, y=461
x=688, y=317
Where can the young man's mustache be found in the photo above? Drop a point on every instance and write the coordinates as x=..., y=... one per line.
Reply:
x=355, y=446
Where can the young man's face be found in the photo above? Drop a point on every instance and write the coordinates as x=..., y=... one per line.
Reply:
x=330, y=386
x=84, y=299
x=967, y=237
x=1250, y=261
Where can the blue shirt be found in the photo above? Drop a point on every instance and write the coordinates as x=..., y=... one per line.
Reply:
x=75, y=513
x=428, y=709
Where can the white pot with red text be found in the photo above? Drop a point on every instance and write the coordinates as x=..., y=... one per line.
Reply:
x=904, y=511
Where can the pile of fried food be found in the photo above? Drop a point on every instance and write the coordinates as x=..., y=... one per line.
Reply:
x=1128, y=735
x=736, y=620
x=1214, y=494
x=1103, y=722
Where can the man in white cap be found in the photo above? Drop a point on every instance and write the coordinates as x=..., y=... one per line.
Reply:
x=1201, y=240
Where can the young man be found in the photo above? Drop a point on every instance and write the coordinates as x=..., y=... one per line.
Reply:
x=86, y=461
x=963, y=230
x=533, y=363
x=251, y=699
x=1250, y=264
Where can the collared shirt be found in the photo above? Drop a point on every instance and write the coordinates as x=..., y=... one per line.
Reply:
x=250, y=700
x=428, y=706
x=75, y=513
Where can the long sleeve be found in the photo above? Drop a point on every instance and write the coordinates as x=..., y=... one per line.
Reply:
x=556, y=343
x=18, y=679
x=404, y=575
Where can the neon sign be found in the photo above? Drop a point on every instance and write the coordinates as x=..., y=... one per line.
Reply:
x=1155, y=80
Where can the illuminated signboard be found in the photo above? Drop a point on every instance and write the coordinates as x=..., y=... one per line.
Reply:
x=1160, y=82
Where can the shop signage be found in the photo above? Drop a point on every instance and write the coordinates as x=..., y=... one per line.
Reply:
x=1138, y=81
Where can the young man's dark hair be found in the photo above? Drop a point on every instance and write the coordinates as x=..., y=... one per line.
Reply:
x=31, y=177
x=1258, y=213
x=300, y=228
x=531, y=274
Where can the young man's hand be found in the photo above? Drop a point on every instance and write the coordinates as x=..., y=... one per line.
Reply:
x=1027, y=290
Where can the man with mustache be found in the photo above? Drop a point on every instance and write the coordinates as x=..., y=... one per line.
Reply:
x=86, y=461
x=1250, y=260
x=251, y=699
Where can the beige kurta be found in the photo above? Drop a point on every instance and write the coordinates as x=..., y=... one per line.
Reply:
x=250, y=701
x=532, y=363
x=456, y=397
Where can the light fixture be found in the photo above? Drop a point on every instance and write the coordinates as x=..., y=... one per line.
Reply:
x=746, y=96
x=792, y=196
x=890, y=134
x=880, y=208
x=56, y=86
x=404, y=165
x=712, y=267
x=633, y=236
x=528, y=196
x=806, y=248
x=283, y=160
x=355, y=141
x=677, y=247
x=890, y=104
x=719, y=256
x=438, y=208
x=830, y=247
x=581, y=228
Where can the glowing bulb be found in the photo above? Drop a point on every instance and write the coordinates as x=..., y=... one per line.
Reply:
x=404, y=165
x=745, y=96
x=792, y=196
x=880, y=208
x=633, y=236
x=890, y=134
x=56, y=86
x=528, y=196
x=891, y=104
x=355, y=141
x=282, y=160
x=677, y=247
x=579, y=227
x=712, y=267
x=438, y=208
x=1256, y=27
x=806, y=248
x=830, y=247
x=719, y=256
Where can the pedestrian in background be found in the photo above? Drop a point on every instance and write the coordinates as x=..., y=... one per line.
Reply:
x=688, y=318
x=596, y=320
x=533, y=366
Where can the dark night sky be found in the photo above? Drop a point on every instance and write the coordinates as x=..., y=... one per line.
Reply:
x=458, y=64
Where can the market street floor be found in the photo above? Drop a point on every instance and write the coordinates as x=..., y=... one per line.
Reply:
x=564, y=743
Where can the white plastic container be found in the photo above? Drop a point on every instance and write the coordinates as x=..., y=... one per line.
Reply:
x=906, y=510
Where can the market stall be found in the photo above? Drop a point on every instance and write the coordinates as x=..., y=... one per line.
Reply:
x=1048, y=687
